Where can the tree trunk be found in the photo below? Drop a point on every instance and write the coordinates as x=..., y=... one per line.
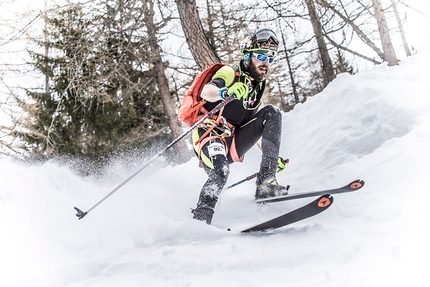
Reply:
x=163, y=84
x=357, y=29
x=387, y=45
x=402, y=31
x=325, y=57
x=198, y=43
x=290, y=69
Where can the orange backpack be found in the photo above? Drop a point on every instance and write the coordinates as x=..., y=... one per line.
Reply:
x=191, y=109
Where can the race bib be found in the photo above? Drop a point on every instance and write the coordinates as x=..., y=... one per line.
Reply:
x=216, y=148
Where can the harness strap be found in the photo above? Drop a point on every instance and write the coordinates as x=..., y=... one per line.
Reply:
x=211, y=127
x=233, y=151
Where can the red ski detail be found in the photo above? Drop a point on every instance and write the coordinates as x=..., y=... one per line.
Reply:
x=323, y=202
x=356, y=185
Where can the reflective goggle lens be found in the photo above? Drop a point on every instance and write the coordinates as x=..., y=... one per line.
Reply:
x=264, y=58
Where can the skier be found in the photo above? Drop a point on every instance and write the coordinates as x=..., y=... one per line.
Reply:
x=241, y=124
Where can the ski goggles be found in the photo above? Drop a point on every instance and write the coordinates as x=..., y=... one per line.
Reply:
x=263, y=58
x=265, y=39
x=265, y=35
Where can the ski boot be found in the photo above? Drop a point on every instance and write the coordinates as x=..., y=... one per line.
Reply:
x=270, y=188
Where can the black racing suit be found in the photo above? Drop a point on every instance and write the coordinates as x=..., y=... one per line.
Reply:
x=249, y=125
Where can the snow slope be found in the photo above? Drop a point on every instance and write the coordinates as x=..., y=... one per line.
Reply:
x=373, y=126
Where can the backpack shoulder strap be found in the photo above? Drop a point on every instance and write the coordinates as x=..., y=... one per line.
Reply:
x=237, y=72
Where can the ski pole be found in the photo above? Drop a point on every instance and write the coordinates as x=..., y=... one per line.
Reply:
x=251, y=176
x=217, y=108
x=243, y=180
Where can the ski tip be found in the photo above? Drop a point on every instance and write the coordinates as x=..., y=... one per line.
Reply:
x=80, y=213
x=325, y=201
x=356, y=184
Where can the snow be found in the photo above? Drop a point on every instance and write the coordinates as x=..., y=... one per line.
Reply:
x=373, y=126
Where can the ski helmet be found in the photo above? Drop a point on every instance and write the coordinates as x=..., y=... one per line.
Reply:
x=264, y=39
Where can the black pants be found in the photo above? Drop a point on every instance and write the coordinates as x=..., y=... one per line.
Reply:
x=266, y=124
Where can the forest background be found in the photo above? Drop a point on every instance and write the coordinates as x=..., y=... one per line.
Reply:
x=89, y=81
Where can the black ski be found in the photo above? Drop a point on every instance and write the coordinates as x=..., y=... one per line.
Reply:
x=353, y=186
x=311, y=209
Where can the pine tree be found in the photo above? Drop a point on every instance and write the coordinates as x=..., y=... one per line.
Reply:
x=102, y=94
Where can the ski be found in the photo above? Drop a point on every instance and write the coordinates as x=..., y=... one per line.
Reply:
x=353, y=186
x=315, y=207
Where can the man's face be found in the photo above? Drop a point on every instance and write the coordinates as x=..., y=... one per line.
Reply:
x=259, y=65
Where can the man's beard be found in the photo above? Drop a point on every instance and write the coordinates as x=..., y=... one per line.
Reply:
x=254, y=73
